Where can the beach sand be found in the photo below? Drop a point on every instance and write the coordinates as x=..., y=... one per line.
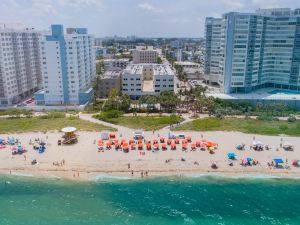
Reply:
x=84, y=162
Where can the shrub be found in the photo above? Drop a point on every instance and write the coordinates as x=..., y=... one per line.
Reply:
x=53, y=115
x=292, y=118
x=110, y=114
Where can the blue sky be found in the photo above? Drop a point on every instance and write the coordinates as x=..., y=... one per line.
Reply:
x=146, y=18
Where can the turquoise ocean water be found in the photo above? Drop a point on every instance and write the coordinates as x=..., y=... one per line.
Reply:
x=203, y=200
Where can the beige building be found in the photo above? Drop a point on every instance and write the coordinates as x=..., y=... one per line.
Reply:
x=147, y=79
x=193, y=70
x=144, y=54
x=110, y=80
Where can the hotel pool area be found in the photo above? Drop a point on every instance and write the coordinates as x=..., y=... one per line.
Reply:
x=285, y=92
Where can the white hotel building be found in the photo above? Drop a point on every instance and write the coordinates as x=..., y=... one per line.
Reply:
x=68, y=67
x=20, y=74
x=147, y=79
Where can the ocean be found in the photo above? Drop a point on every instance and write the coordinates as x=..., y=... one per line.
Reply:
x=170, y=200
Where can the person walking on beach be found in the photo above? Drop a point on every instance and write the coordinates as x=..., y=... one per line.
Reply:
x=131, y=172
x=146, y=173
x=142, y=174
x=128, y=165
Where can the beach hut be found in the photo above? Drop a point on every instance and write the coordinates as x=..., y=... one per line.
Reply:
x=231, y=156
x=69, y=135
x=162, y=140
x=173, y=146
x=164, y=146
x=278, y=162
x=140, y=146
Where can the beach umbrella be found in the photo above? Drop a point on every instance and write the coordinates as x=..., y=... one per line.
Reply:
x=131, y=141
x=116, y=142
x=231, y=155
x=164, y=146
x=100, y=144
x=140, y=141
x=111, y=135
x=140, y=146
x=2, y=141
x=278, y=161
x=296, y=162
x=189, y=138
x=156, y=146
x=133, y=146
x=108, y=144
x=249, y=159
x=184, y=146
x=198, y=143
x=162, y=140
x=148, y=146
x=176, y=141
x=184, y=141
x=155, y=141
x=193, y=146
x=169, y=141
x=173, y=146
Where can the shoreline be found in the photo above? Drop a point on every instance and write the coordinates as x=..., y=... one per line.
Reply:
x=91, y=176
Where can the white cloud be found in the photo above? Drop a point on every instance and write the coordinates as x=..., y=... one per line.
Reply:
x=150, y=8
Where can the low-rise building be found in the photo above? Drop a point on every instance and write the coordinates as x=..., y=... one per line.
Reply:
x=147, y=79
x=193, y=70
x=115, y=64
x=110, y=80
x=144, y=54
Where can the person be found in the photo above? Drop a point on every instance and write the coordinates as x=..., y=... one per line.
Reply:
x=146, y=173
x=24, y=157
x=142, y=174
x=131, y=172
x=128, y=165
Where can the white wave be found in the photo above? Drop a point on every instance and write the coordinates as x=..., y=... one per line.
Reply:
x=106, y=177
x=21, y=174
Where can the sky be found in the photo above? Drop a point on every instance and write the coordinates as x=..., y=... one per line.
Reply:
x=143, y=18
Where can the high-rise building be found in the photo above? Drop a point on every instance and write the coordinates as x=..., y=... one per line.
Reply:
x=147, y=79
x=258, y=50
x=144, y=55
x=20, y=69
x=68, y=67
x=212, y=48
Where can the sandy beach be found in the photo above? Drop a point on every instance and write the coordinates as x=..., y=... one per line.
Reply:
x=84, y=162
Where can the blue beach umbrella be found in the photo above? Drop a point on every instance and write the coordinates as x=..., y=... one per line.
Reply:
x=249, y=159
x=231, y=155
x=278, y=161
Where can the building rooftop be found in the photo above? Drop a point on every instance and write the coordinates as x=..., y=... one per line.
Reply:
x=111, y=75
x=117, y=60
x=158, y=69
x=187, y=63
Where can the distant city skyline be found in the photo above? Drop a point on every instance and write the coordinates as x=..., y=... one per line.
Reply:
x=143, y=18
